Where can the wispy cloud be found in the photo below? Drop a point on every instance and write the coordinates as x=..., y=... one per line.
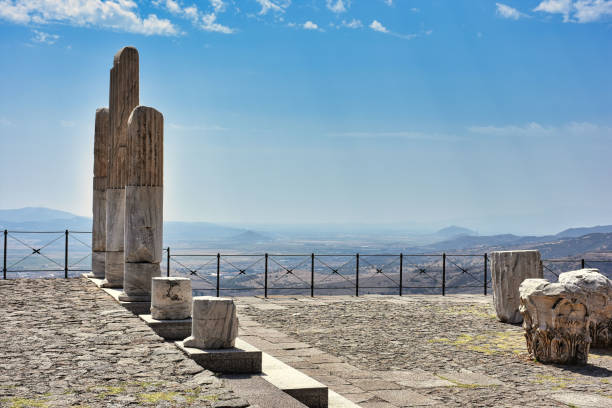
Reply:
x=405, y=135
x=67, y=123
x=354, y=23
x=278, y=6
x=508, y=12
x=121, y=15
x=338, y=6
x=578, y=11
x=379, y=27
x=44, y=38
x=206, y=21
x=4, y=122
x=535, y=129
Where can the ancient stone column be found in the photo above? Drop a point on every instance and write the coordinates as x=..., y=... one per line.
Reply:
x=599, y=303
x=143, y=203
x=171, y=298
x=98, y=230
x=508, y=270
x=556, y=321
x=214, y=323
x=123, y=99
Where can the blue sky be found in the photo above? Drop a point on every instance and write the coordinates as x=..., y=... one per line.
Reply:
x=496, y=116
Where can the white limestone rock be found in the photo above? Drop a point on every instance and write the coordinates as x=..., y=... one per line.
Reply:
x=214, y=323
x=508, y=270
x=599, y=302
x=171, y=298
x=556, y=321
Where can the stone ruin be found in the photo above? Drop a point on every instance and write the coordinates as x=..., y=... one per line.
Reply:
x=508, y=270
x=215, y=325
x=563, y=320
x=128, y=186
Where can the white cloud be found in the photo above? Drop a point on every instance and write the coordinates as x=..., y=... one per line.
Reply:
x=338, y=6
x=45, y=38
x=354, y=23
x=309, y=25
x=588, y=11
x=556, y=7
x=209, y=24
x=388, y=2
x=218, y=5
x=580, y=11
x=508, y=12
x=119, y=15
x=278, y=6
x=377, y=26
x=204, y=21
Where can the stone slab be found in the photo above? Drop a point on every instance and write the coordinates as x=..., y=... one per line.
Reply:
x=582, y=400
x=414, y=378
x=405, y=398
x=466, y=377
x=335, y=400
x=169, y=329
x=241, y=359
x=300, y=386
x=260, y=392
x=137, y=308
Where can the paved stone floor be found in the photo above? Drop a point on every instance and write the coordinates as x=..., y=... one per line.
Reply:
x=65, y=343
x=387, y=351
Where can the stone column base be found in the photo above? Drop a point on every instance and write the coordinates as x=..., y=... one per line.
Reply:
x=137, y=281
x=113, y=276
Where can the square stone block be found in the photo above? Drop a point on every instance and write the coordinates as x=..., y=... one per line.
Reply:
x=242, y=359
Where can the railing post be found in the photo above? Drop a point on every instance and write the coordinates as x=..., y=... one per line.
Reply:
x=312, y=275
x=218, y=273
x=582, y=263
x=66, y=257
x=168, y=263
x=357, y=275
x=486, y=259
x=4, y=258
x=401, y=274
x=443, y=274
x=266, y=278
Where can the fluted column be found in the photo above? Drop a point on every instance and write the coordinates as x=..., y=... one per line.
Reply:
x=143, y=203
x=123, y=98
x=98, y=239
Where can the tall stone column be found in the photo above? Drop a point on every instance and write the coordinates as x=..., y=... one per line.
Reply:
x=143, y=203
x=123, y=98
x=508, y=270
x=98, y=238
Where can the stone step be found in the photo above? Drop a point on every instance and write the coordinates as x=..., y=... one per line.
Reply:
x=303, y=388
x=168, y=329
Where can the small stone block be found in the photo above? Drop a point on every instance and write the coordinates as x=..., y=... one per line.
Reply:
x=169, y=329
x=215, y=324
x=171, y=298
x=241, y=359
x=137, y=308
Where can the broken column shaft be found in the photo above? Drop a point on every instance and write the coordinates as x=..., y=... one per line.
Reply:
x=143, y=203
x=124, y=90
x=98, y=238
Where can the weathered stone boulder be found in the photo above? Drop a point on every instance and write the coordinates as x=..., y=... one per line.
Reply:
x=171, y=298
x=556, y=321
x=599, y=302
x=508, y=270
x=214, y=323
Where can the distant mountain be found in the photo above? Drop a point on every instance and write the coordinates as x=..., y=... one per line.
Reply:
x=454, y=231
x=249, y=237
x=578, y=232
x=42, y=219
x=32, y=214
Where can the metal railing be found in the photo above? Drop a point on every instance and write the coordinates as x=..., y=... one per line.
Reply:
x=45, y=255
x=329, y=273
x=62, y=252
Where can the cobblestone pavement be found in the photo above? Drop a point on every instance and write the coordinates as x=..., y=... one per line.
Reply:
x=64, y=342
x=387, y=351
